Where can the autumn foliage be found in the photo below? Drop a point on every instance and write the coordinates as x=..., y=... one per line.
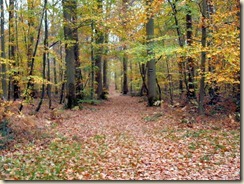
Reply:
x=120, y=90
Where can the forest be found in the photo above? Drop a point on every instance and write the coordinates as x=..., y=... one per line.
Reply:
x=120, y=90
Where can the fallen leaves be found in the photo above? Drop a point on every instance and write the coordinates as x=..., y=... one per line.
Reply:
x=124, y=140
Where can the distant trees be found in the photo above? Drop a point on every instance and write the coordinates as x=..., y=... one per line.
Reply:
x=74, y=49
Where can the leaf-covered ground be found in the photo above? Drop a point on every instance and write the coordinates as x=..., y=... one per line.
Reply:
x=122, y=139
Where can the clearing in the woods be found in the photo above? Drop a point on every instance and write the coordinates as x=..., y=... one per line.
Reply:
x=122, y=139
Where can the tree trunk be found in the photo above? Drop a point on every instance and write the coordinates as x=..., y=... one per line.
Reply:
x=125, y=78
x=69, y=54
x=55, y=75
x=190, y=62
x=143, y=72
x=62, y=76
x=13, y=77
x=92, y=62
x=4, y=75
x=98, y=57
x=151, y=63
x=203, y=58
x=125, y=58
x=181, y=43
x=170, y=83
x=131, y=77
x=49, y=87
x=30, y=41
x=30, y=81
x=105, y=65
x=78, y=74
x=44, y=57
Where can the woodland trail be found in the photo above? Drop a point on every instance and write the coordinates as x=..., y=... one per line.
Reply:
x=122, y=120
x=123, y=139
x=147, y=142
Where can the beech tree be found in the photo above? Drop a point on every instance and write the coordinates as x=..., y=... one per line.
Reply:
x=99, y=39
x=68, y=9
x=3, y=66
x=151, y=67
x=203, y=57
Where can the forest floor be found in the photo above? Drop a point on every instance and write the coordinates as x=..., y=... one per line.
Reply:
x=122, y=139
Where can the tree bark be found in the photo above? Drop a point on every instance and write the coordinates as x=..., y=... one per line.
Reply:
x=125, y=58
x=203, y=58
x=105, y=65
x=98, y=56
x=69, y=54
x=190, y=62
x=55, y=66
x=125, y=78
x=78, y=73
x=30, y=81
x=44, y=61
x=151, y=72
x=181, y=43
x=13, y=77
x=4, y=69
x=92, y=62
x=143, y=72
x=30, y=49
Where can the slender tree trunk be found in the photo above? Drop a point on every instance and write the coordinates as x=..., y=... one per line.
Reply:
x=49, y=87
x=151, y=63
x=213, y=88
x=78, y=73
x=125, y=58
x=125, y=78
x=30, y=81
x=190, y=62
x=4, y=69
x=55, y=75
x=30, y=41
x=181, y=43
x=11, y=48
x=238, y=75
x=98, y=64
x=69, y=54
x=92, y=62
x=62, y=76
x=115, y=81
x=98, y=56
x=131, y=77
x=143, y=72
x=105, y=65
x=203, y=57
x=45, y=58
x=170, y=83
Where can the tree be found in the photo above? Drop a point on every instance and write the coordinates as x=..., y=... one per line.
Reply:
x=181, y=43
x=78, y=73
x=105, y=64
x=45, y=59
x=151, y=73
x=30, y=46
x=4, y=75
x=12, y=49
x=125, y=58
x=190, y=62
x=99, y=39
x=29, y=87
x=68, y=8
x=203, y=57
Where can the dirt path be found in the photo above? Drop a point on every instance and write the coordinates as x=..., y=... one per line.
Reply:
x=121, y=139
x=143, y=142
